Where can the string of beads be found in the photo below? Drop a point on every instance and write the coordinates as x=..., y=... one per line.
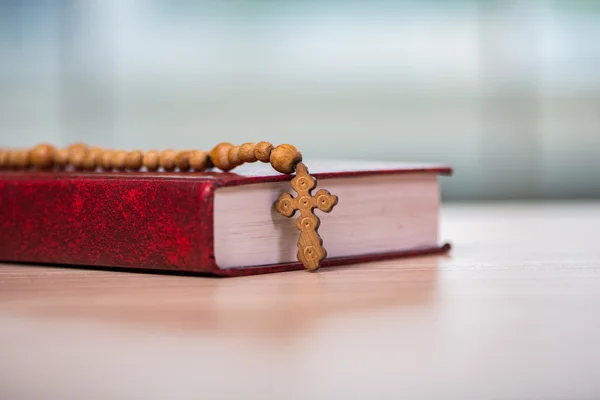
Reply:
x=224, y=156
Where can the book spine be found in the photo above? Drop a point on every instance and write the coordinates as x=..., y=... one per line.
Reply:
x=142, y=223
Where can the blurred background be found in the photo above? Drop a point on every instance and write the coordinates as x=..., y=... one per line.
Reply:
x=507, y=92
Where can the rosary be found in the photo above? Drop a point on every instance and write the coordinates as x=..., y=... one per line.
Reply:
x=284, y=158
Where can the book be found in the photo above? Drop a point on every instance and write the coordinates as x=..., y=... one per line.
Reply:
x=216, y=223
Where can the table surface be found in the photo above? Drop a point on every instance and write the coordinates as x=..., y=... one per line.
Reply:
x=512, y=313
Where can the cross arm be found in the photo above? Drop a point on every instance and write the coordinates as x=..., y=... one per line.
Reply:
x=325, y=201
x=286, y=205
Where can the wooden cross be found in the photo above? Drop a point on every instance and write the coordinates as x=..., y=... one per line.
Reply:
x=310, y=244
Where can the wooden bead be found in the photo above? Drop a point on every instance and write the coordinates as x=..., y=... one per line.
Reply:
x=133, y=160
x=198, y=160
x=61, y=157
x=92, y=159
x=151, y=160
x=117, y=160
x=11, y=159
x=234, y=156
x=246, y=153
x=167, y=160
x=89, y=161
x=4, y=158
x=77, y=146
x=42, y=156
x=182, y=160
x=262, y=151
x=219, y=156
x=106, y=160
x=22, y=159
x=8, y=159
x=77, y=154
x=284, y=158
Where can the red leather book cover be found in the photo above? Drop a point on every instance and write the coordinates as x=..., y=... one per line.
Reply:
x=144, y=220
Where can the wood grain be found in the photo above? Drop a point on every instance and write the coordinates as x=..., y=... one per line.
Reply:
x=511, y=314
x=42, y=156
x=284, y=158
x=310, y=245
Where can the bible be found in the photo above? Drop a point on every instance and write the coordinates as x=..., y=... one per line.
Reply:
x=216, y=223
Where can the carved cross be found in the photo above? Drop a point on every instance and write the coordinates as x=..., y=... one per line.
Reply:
x=310, y=244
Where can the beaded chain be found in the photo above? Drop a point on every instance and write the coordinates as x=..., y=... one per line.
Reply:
x=284, y=158
x=224, y=156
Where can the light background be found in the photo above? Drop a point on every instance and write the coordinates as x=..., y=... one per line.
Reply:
x=507, y=92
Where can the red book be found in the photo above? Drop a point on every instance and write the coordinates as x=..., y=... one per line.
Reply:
x=214, y=222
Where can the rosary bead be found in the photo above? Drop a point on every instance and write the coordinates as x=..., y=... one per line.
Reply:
x=219, y=156
x=117, y=160
x=4, y=158
x=167, y=160
x=234, y=156
x=262, y=151
x=246, y=153
x=106, y=159
x=182, y=160
x=19, y=159
x=77, y=146
x=61, y=157
x=77, y=153
x=9, y=159
x=198, y=160
x=23, y=159
x=42, y=156
x=284, y=158
x=91, y=161
x=133, y=160
x=12, y=159
x=151, y=160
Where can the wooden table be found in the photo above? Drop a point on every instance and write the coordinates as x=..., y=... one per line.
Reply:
x=513, y=313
